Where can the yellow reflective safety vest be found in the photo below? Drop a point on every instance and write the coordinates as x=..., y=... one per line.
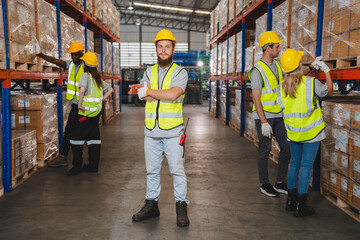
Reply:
x=72, y=88
x=93, y=101
x=303, y=116
x=271, y=86
x=169, y=114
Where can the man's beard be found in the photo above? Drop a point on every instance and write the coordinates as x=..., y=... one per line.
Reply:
x=166, y=62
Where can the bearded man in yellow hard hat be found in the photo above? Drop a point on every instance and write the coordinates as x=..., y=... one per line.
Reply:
x=75, y=70
x=163, y=88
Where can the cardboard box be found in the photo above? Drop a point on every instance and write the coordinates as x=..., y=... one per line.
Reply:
x=354, y=168
x=355, y=117
x=354, y=194
x=334, y=183
x=354, y=143
x=339, y=162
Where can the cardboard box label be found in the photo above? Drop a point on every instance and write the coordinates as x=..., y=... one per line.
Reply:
x=344, y=161
x=344, y=183
x=24, y=103
x=333, y=178
x=356, y=190
x=341, y=140
x=23, y=119
x=334, y=157
x=344, y=3
x=13, y=120
x=357, y=166
x=357, y=116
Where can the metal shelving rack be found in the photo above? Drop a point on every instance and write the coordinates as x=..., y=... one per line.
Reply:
x=6, y=76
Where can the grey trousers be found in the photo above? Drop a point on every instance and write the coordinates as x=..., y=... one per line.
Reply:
x=279, y=132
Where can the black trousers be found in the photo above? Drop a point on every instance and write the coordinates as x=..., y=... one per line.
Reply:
x=86, y=132
x=69, y=128
x=264, y=149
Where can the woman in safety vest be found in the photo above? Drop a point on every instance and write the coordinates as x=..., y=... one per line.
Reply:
x=91, y=89
x=303, y=118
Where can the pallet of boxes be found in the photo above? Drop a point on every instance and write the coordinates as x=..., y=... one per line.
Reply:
x=37, y=112
x=340, y=154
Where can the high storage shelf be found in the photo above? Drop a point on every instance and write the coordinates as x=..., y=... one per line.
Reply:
x=7, y=76
x=246, y=20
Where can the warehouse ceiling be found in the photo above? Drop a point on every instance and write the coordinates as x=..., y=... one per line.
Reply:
x=171, y=19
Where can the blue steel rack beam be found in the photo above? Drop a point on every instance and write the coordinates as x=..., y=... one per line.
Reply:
x=269, y=16
x=6, y=121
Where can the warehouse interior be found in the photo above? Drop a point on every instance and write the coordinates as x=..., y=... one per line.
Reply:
x=218, y=43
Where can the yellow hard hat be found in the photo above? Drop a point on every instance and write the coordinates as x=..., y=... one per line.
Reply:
x=90, y=59
x=76, y=47
x=290, y=60
x=269, y=37
x=165, y=35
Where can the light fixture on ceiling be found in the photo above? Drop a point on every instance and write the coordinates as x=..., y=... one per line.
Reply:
x=202, y=12
x=130, y=6
x=163, y=7
x=138, y=21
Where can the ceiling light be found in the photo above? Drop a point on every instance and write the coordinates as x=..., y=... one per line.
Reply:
x=130, y=6
x=202, y=12
x=138, y=21
x=163, y=7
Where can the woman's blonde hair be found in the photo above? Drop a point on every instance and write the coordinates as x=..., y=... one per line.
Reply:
x=291, y=82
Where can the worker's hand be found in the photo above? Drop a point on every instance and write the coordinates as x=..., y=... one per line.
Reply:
x=81, y=108
x=266, y=130
x=142, y=91
x=323, y=67
x=315, y=64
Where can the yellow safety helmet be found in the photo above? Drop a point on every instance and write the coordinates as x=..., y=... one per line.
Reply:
x=76, y=47
x=269, y=37
x=165, y=35
x=290, y=60
x=90, y=59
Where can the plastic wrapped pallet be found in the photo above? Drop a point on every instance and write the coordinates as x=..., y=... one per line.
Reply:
x=67, y=31
x=236, y=110
x=108, y=110
x=89, y=7
x=249, y=58
x=223, y=10
x=90, y=41
x=216, y=20
x=280, y=24
x=117, y=98
x=341, y=30
x=232, y=54
x=238, y=51
x=213, y=58
x=224, y=60
x=239, y=7
x=303, y=28
x=37, y=112
x=213, y=100
x=107, y=56
x=47, y=30
x=220, y=54
x=232, y=9
x=261, y=27
x=22, y=33
x=24, y=151
x=116, y=61
x=222, y=105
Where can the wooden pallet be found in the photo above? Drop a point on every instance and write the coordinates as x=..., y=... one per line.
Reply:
x=274, y=157
x=349, y=210
x=45, y=162
x=235, y=128
x=117, y=112
x=20, y=66
x=343, y=63
x=109, y=119
x=1, y=191
x=48, y=69
x=16, y=181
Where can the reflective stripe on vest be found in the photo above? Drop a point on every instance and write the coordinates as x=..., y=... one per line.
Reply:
x=93, y=101
x=169, y=114
x=72, y=87
x=270, y=88
x=303, y=116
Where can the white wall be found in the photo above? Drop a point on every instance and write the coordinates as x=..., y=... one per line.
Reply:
x=130, y=33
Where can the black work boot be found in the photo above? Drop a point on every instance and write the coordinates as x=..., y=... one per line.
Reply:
x=149, y=210
x=291, y=200
x=60, y=161
x=74, y=170
x=302, y=209
x=182, y=219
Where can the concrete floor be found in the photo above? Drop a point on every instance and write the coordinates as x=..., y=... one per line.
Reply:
x=223, y=190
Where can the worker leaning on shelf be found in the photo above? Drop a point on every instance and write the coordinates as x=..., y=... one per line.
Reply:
x=163, y=87
x=75, y=70
x=91, y=96
x=299, y=98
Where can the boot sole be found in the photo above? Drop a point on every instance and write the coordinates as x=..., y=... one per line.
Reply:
x=143, y=219
x=279, y=190
x=58, y=165
x=269, y=194
x=183, y=225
